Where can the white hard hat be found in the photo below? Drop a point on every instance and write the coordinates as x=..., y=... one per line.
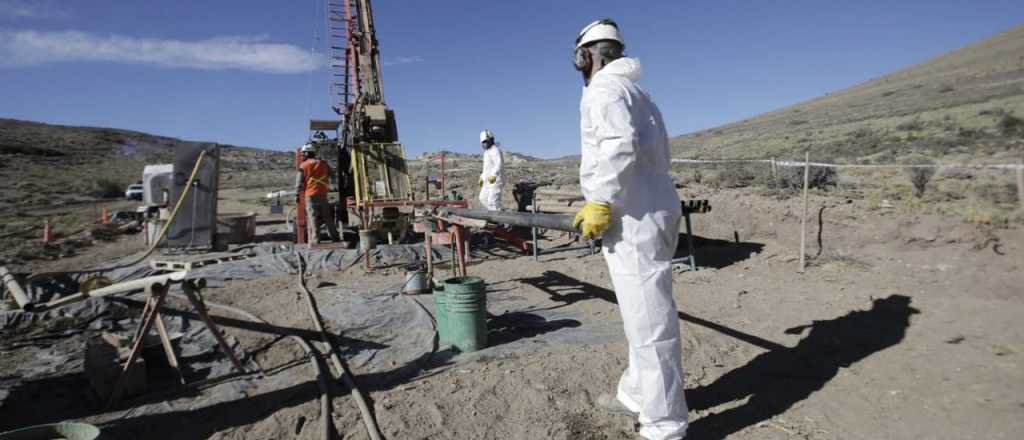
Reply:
x=485, y=135
x=600, y=30
x=308, y=148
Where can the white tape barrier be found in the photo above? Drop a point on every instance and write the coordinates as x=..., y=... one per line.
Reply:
x=791, y=163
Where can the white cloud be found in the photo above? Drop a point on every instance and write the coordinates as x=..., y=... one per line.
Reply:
x=402, y=60
x=249, y=53
x=35, y=9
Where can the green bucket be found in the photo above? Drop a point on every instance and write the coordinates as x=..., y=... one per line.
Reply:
x=466, y=304
x=63, y=431
x=441, y=311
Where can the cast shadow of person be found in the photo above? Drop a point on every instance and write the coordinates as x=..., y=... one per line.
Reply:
x=777, y=379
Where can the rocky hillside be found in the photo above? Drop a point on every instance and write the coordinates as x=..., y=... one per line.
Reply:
x=44, y=164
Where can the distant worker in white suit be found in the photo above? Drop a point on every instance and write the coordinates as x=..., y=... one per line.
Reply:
x=632, y=201
x=490, y=177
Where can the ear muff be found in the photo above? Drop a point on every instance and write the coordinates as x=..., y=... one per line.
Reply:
x=581, y=58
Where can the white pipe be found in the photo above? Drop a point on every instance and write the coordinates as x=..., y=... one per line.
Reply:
x=125, y=287
x=17, y=292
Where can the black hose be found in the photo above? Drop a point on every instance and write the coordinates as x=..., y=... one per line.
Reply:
x=314, y=359
x=346, y=377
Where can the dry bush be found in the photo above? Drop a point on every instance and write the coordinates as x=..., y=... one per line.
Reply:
x=107, y=189
x=785, y=178
x=1011, y=125
x=739, y=175
x=913, y=125
x=995, y=111
x=998, y=193
x=919, y=177
x=792, y=178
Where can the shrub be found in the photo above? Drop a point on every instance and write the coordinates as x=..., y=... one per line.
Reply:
x=107, y=189
x=995, y=111
x=861, y=133
x=946, y=89
x=914, y=125
x=919, y=177
x=792, y=178
x=737, y=175
x=1011, y=125
x=968, y=133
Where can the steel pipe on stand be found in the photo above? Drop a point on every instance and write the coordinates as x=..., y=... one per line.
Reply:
x=558, y=222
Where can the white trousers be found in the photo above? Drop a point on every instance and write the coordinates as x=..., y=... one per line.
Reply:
x=639, y=254
x=490, y=196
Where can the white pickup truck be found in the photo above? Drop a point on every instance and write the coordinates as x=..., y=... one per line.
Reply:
x=134, y=192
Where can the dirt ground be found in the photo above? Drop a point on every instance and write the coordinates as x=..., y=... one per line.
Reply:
x=904, y=325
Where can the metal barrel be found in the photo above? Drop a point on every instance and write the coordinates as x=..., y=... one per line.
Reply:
x=558, y=222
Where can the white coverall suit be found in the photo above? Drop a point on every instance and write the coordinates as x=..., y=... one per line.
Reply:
x=625, y=163
x=490, y=193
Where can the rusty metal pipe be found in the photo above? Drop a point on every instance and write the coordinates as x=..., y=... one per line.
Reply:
x=558, y=222
x=16, y=291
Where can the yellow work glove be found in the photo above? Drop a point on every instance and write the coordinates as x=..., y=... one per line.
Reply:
x=594, y=218
x=492, y=179
x=480, y=181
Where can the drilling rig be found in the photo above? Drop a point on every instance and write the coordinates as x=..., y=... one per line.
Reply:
x=372, y=178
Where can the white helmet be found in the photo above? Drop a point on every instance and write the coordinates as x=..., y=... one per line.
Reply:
x=600, y=30
x=307, y=148
x=485, y=135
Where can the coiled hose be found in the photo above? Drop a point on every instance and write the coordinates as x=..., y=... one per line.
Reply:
x=346, y=377
x=152, y=246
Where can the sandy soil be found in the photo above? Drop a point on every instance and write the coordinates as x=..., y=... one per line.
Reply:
x=903, y=326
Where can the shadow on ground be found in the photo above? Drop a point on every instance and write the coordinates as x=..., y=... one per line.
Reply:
x=567, y=290
x=710, y=252
x=776, y=380
x=513, y=326
x=779, y=378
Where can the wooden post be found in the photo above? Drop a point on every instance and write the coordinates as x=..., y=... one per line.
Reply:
x=430, y=254
x=1020, y=183
x=803, y=219
x=775, y=170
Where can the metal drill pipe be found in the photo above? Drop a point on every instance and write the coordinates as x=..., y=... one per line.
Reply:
x=558, y=222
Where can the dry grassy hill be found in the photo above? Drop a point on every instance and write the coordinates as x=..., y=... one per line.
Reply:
x=68, y=174
x=44, y=164
x=966, y=103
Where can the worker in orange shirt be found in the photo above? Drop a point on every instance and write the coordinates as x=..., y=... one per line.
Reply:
x=311, y=182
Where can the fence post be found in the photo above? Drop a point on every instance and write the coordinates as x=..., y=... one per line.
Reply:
x=775, y=171
x=803, y=219
x=1020, y=183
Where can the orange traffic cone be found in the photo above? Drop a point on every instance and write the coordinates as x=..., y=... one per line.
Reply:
x=47, y=231
x=106, y=216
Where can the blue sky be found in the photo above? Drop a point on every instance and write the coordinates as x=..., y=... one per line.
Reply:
x=238, y=72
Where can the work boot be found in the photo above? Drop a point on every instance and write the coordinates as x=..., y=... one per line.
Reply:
x=609, y=403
